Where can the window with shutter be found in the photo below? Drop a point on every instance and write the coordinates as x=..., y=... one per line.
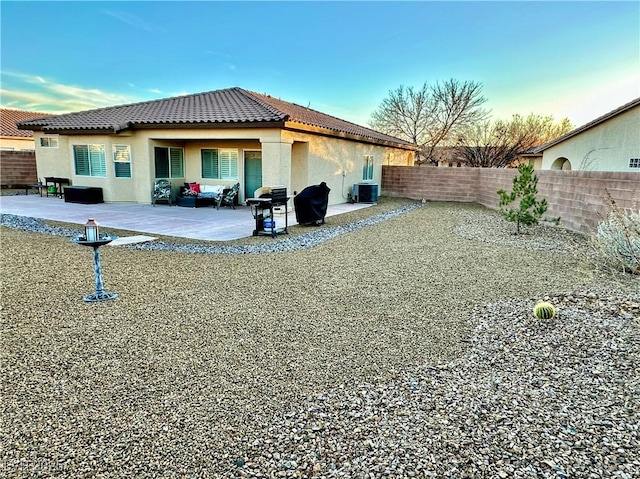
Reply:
x=97, y=160
x=81, y=160
x=169, y=162
x=90, y=160
x=122, y=161
x=48, y=142
x=210, y=164
x=220, y=164
x=233, y=165
x=177, y=163
x=161, y=156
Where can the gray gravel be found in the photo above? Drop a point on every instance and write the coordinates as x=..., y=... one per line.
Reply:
x=530, y=398
x=405, y=348
x=285, y=243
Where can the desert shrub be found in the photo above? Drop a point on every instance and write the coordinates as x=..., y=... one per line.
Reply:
x=618, y=238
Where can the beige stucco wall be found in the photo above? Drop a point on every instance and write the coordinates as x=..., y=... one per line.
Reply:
x=16, y=143
x=137, y=189
x=337, y=162
x=604, y=147
x=52, y=161
x=193, y=160
x=59, y=162
x=290, y=158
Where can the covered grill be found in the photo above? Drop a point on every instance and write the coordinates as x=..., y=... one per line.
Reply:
x=311, y=204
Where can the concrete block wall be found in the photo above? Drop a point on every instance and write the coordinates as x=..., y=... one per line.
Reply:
x=18, y=168
x=579, y=198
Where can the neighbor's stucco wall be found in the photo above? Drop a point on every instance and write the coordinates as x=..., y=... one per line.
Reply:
x=13, y=143
x=604, y=147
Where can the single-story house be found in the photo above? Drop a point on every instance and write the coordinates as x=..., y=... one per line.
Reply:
x=608, y=143
x=12, y=138
x=221, y=137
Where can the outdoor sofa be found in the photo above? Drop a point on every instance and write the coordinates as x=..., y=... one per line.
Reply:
x=195, y=195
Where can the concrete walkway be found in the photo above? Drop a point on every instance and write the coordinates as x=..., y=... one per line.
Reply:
x=205, y=223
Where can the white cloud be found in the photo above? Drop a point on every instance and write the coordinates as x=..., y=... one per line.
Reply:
x=24, y=77
x=131, y=20
x=37, y=93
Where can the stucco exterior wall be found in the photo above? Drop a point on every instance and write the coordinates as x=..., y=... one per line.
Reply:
x=339, y=163
x=579, y=198
x=604, y=147
x=193, y=159
x=59, y=162
x=289, y=158
x=52, y=161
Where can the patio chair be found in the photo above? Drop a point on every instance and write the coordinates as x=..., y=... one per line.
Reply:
x=229, y=197
x=161, y=191
x=40, y=185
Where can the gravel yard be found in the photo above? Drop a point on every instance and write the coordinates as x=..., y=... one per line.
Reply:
x=401, y=348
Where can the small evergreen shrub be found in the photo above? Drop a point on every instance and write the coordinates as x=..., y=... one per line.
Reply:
x=529, y=209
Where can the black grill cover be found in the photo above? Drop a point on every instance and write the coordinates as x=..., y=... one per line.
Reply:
x=311, y=204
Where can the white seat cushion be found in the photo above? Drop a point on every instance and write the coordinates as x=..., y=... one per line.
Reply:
x=217, y=189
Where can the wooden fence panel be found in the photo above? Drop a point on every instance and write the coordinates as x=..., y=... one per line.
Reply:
x=17, y=168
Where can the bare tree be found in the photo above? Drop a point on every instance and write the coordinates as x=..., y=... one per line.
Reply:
x=430, y=116
x=496, y=144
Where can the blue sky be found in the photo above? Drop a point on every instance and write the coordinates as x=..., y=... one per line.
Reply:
x=567, y=59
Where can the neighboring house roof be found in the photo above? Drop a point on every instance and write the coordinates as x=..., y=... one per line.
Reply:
x=9, y=118
x=219, y=108
x=626, y=107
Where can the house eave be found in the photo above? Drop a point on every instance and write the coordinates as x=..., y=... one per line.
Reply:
x=207, y=125
x=129, y=126
x=301, y=127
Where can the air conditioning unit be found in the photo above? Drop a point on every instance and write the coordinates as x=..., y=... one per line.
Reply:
x=365, y=192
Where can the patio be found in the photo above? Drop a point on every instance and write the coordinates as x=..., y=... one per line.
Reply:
x=196, y=223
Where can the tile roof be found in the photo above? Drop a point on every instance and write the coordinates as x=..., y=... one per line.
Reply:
x=9, y=118
x=601, y=119
x=223, y=107
x=307, y=116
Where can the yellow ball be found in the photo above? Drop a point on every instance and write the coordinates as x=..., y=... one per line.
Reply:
x=544, y=310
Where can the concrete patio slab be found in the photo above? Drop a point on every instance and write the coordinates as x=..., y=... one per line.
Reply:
x=204, y=223
x=131, y=240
